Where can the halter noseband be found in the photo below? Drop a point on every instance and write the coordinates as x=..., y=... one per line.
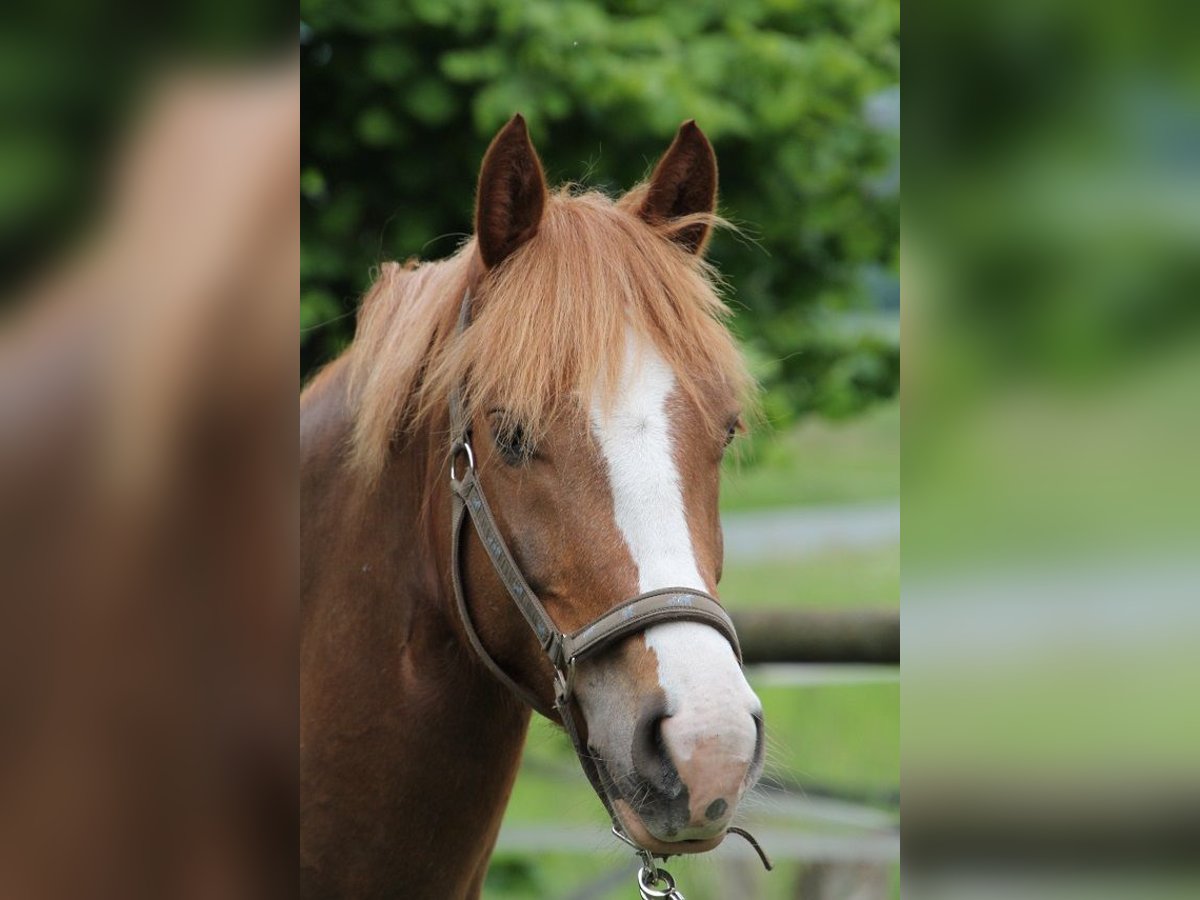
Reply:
x=672, y=604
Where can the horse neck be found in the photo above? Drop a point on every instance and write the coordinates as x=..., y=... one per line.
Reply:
x=401, y=722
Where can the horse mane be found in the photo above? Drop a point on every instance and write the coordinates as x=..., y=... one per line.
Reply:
x=548, y=324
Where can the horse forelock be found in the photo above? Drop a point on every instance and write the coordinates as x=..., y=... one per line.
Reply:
x=549, y=326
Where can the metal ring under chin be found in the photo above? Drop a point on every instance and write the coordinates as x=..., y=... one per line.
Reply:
x=657, y=884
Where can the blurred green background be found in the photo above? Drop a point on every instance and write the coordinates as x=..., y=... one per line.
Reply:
x=1052, y=270
x=801, y=101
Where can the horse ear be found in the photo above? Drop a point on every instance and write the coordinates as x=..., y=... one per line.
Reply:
x=684, y=183
x=512, y=193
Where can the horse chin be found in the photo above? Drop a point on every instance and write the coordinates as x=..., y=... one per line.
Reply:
x=640, y=835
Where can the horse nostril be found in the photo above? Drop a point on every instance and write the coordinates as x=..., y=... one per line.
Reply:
x=716, y=809
x=650, y=758
x=759, y=740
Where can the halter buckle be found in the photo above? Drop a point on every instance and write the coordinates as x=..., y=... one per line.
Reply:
x=564, y=681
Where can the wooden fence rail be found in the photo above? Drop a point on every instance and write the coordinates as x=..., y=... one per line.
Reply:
x=863, y=636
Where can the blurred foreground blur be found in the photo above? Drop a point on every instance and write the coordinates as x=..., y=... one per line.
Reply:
x=147, y=484
x=1051, y=566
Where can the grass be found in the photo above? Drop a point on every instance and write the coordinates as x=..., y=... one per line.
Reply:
x=839, y=579
x=844, y=737
x=819, y=462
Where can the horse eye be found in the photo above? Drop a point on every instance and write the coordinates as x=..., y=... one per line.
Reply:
x=735, y=427
x=512, y=442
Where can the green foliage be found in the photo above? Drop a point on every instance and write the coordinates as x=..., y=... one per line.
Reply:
x=400, y=100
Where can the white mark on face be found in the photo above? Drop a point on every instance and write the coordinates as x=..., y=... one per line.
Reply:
x=706, y=692
x=635, y=438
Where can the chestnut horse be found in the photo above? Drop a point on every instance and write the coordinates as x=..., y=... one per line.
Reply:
x=602, y=388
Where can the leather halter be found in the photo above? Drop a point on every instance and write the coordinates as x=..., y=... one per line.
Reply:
x=672, y=604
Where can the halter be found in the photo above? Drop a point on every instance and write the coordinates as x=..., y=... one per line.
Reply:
x=564, y=651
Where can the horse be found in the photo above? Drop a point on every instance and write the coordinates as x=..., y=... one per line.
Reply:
x=573, y=356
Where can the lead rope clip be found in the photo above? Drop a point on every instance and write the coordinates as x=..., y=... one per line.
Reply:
x=656, y=883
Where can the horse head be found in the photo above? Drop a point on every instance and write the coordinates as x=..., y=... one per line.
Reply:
x=602, y=390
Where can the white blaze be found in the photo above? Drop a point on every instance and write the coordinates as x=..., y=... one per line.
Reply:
x=635, y=437
x=705, y=690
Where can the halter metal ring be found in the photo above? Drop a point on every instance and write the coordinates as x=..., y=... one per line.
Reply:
x=459, y=448
x=649, y=881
